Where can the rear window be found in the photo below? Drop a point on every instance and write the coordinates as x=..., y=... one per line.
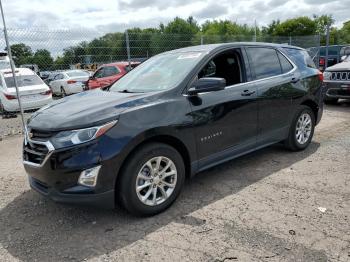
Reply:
x=300, y=57
x=23, y=80
x=77, y=73
x=264, y=61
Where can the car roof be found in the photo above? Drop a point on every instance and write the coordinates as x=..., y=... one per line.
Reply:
x=22, y=71
x=214, y=47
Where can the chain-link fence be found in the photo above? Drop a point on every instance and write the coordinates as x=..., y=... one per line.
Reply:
x=48, y=50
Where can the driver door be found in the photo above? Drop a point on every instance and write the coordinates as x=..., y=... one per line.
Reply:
x=225, y=121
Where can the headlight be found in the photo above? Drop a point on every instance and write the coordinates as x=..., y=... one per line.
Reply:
x=75, y=137
x=327, y=75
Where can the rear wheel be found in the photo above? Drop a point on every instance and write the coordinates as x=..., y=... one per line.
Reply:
x=301, y=130
x=63, y=92
x=151, y=179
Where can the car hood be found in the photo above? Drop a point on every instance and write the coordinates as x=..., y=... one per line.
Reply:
x=343, y=66
x=85, y=109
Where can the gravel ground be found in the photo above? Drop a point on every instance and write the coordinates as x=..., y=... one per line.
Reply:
x=271, y=205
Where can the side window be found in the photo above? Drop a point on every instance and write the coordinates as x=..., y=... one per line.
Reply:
x=300, y=57
x=226, y=65
x=110, y=71
x=264, y=61
x=285, y=64
x=99, y=73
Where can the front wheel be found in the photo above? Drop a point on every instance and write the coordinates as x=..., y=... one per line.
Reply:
x=151, y=179
x=301, y=130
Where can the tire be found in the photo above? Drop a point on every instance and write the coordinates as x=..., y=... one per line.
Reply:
x=63, y=92
x=330, y=101
x=131, y=177
x=295, y=142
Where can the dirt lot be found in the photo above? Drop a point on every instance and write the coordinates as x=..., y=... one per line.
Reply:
x=272, y=205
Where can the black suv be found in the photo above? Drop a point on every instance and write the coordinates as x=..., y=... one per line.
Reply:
x=178, y=113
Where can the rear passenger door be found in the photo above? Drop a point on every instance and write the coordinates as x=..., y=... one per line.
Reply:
x=275, y=80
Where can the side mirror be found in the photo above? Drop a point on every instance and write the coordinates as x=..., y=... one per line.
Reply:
x=91, y=77
x=207, y=84
x=343, y=58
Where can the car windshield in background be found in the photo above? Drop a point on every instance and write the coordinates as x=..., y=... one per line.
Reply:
x=77, y=73
x=23, y=80
x=159, y=73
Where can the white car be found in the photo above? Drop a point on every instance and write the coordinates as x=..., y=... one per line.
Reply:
x=33, y=91
x=69, y=82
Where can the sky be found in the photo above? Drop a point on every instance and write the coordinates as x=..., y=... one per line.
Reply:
x=56, y=24
x=117, y=15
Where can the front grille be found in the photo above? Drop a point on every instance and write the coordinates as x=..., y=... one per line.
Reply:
x=340, y=76
x=41, y=135
x=35, y=153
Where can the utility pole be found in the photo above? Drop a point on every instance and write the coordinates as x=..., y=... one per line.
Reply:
x=128, y=47
x=255, y=30
x=13, y=71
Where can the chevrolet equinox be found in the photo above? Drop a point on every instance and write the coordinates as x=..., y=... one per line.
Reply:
x=177, y=114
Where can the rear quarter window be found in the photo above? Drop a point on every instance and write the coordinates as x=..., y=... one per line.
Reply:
x=300, y=57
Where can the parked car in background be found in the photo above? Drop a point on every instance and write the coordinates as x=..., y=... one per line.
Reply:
x=33, y=91
x=32, y=67
x=69, y=82
x=337, y=81
x=4, y=61
x=176, y=114
x=334, y=55
x=108, y=74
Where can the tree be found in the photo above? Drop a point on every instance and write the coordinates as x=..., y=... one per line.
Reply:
x=22, y=54
x=299, y=26
x=43, y=59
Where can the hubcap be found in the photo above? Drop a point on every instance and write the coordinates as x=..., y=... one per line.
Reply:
x=156, y=181
x=303, y=128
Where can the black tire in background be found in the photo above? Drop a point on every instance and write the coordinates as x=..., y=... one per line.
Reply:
x=291, y=142
x=126, y=185
x=330, y=101
x=63, y=92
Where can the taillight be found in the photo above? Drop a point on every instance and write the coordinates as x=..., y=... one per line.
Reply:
x=322, y=61
x=320, y=76
x=46, y=93
x=71, y=82
x=10, y=97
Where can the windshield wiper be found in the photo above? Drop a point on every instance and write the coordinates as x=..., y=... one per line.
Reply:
x=127, y=91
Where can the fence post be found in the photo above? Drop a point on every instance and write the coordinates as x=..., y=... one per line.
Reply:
x=327, y=45
x=318, y=50
x=202, y=40
x=128, y=47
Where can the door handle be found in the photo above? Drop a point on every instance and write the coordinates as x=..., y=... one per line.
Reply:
x=295, y=80
x=247, y=93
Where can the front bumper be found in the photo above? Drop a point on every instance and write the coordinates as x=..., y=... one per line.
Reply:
x=56, y=174
x=77, y=196
x=337, y=90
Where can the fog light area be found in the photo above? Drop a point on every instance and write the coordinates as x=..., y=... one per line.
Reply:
x=89, y=176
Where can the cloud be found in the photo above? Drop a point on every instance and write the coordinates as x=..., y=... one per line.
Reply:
x=213, y=10
x=159, y=4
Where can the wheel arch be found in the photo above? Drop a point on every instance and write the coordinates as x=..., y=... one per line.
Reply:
x=313, y=105
x=170, y=140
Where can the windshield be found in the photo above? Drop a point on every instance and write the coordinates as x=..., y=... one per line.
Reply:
x=77, y=73
x=159, y=73
x=23, y=80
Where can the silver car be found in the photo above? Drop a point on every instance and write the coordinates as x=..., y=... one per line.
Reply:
x=69, y=82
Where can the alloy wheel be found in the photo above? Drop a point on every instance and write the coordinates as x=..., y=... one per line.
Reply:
x=303, y=128
x=156, y=181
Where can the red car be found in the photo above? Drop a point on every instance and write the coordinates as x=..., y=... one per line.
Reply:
x=108, y=74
